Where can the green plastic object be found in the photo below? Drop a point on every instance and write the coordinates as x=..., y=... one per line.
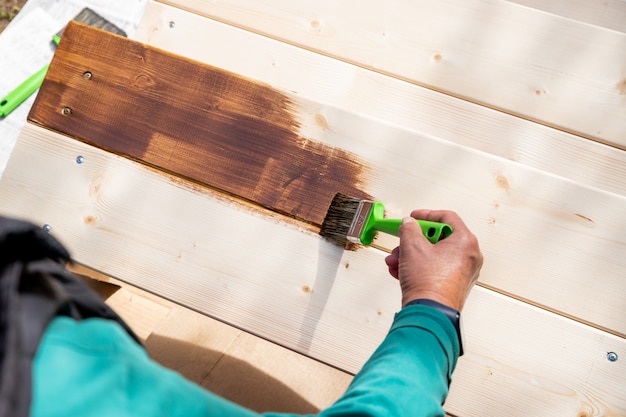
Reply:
x=26, y=89
x=376, y=222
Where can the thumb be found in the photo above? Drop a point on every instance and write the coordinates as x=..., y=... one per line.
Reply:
x=411, y=232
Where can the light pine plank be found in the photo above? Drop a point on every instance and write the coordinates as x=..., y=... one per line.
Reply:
x=294, y=288
x=373, y=95
x=540, y=66
x=610, y=14
x=544, y=236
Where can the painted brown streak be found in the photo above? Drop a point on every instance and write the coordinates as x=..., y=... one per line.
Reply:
x=192, y=120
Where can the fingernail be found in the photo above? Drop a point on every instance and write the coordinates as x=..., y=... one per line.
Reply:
x=407, y=220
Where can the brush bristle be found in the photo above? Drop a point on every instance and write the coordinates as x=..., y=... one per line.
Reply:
x=338, y=218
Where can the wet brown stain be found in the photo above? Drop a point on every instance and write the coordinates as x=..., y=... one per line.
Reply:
x=502, y=182
x=194, y=121
x=621, y=87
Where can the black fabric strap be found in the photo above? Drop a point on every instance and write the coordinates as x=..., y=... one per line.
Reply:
x=34, y=289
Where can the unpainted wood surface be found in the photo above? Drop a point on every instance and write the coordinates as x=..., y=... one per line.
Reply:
x=520, y=60
x=571, y=232
x=293, y=287
x=197, y=121
x=610, y=14
x=321, y=79
x=243, y=368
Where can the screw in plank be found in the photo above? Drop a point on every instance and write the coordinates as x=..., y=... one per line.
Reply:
x=172, y=24
x=87, y=75
x=612, y=356
x=80, y=159
x=66, y=111
x=47, y=228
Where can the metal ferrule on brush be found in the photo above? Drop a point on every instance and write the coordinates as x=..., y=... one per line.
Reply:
x=359, y=221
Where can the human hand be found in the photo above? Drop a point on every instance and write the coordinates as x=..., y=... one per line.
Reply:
x=443, y=272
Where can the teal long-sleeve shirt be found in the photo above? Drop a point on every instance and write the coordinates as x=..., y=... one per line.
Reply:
x=93, y=368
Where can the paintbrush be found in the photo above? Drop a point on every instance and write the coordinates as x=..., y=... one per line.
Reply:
x=350, y=220
x=32, y=83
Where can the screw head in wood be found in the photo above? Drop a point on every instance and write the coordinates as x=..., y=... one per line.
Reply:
x=66, y=111
x=172, y=24
x=47, y=228
x=87, y=75
x=612, y=356
x=80, y=159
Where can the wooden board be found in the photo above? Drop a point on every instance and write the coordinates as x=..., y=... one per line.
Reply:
x=296, y=289
x=565, y=228
x=539, y=66
x=199, y=122
x=321, y=79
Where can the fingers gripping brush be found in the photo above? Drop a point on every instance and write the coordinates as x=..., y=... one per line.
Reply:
x=358, y=221
x=32, y=83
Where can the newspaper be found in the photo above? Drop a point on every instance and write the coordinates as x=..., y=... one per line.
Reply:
x=26, y=46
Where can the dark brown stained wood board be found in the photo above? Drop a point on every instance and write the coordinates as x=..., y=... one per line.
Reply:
x=192, y=120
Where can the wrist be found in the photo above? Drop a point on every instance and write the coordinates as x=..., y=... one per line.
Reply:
x=430, y=295
x=452, y=314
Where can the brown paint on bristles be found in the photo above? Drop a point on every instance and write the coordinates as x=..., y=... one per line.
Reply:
x=338, y=220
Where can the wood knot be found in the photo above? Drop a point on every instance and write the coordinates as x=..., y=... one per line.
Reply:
x=621, y=87
x=437, y=58
x=89, y=220
x=502, y=182
x=143, y=81
x=321, y=121
x=306, y=289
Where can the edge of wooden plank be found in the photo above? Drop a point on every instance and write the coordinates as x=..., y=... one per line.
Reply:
x=609, y=14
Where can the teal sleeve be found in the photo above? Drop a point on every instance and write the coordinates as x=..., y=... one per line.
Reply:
x=92, y=368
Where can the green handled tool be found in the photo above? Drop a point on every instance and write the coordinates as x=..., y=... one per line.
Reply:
x=32, y=83
x=24, y=90
x=352, y=220
x=369, y=220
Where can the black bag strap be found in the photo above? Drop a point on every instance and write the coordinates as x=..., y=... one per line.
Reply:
x=35, y=287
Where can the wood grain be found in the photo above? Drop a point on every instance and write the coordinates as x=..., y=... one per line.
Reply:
x=320, y=79
x=197, y=121
x=539, y=66
x=296, y=289
x=569, y=231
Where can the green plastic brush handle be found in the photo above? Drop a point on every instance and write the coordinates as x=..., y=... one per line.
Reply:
x=433, y=231
x=26, y=89
x=22, y=92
